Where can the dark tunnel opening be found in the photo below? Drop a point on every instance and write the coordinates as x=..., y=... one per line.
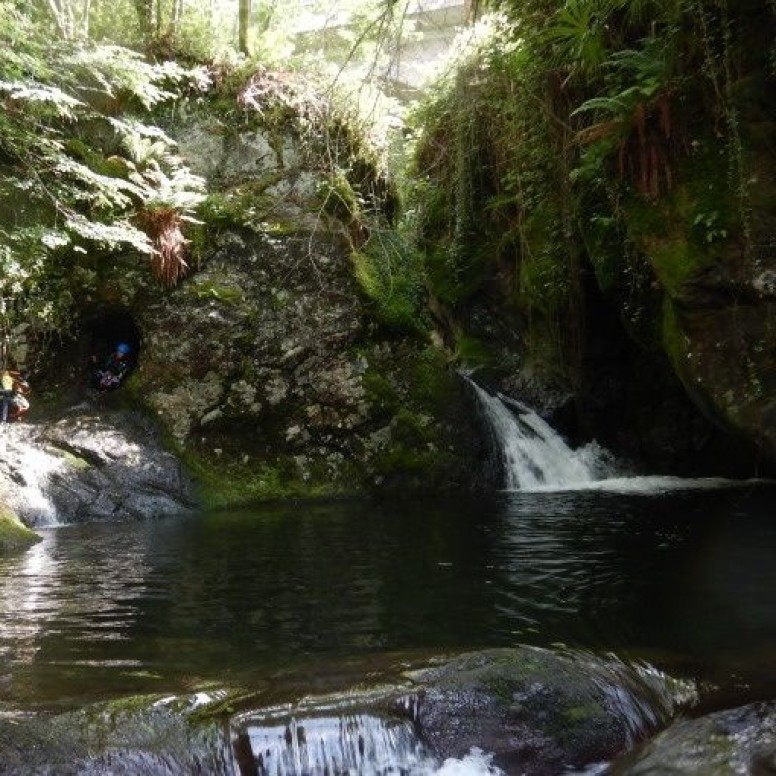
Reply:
x=68, y=375
x=103, y=332
x=103, y=336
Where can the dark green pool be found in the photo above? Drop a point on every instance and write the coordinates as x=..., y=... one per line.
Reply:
x=684, y=579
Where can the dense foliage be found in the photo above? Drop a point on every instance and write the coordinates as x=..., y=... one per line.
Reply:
x=88, y=174
x=83, y=173
x=566, y=133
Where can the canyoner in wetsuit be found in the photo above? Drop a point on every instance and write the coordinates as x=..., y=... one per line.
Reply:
x=114, y=370
x=13, y=384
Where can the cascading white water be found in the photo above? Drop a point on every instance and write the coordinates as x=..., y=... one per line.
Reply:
x=534, y=456
x=27, y=468
x=352, y=743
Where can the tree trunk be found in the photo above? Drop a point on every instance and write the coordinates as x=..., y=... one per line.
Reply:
x=86, y=13
x=59, y=13
x=145, y=15
x=244, y=20
x=177, y=15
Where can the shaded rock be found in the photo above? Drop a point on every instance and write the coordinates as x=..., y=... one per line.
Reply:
x=525, y=710
x=542, y=712
x=136, y=736
x=735, y=741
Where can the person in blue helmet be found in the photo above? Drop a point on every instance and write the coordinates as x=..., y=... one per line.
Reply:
x=114, y=370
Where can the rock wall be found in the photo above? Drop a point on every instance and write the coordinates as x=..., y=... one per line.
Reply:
x=266, y=366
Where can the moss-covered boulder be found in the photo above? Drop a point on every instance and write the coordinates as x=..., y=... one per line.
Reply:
x=136, y=735
x=741, y=740
x=14, y=535
x=540, y=711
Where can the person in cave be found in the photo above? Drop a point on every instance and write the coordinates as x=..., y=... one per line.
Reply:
x=114, y=370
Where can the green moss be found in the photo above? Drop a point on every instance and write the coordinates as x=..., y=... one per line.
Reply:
x=246, y=206
x=544, y=282
x=206, y=288
x=14, y=535
x=673, y=338
x=431, y=383
x=380, y=391
x=581, y=714
x=222, y=483
x=410, y=460
x=75, y=461
x=472, y=352
x=675, y=262
x=392, y=277
x=337, y=198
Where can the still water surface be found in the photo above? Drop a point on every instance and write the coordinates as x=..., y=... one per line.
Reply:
x=684, y=579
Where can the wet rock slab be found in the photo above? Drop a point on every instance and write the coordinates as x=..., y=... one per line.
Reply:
x=84, y=467
x=514, y=711
x=540, y=711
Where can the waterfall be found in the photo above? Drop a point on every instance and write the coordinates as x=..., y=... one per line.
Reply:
x=352, y=743
x=533, y=455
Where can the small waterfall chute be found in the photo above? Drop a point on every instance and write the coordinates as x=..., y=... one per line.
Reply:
x=534, y=456
x=351, y=743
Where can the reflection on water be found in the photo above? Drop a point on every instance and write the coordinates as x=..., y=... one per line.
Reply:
x=99, y=610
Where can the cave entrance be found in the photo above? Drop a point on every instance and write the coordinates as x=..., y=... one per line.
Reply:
x=100, y=334
x=104, y=331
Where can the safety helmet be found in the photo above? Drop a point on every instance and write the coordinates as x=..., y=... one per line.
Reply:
x=123, y=348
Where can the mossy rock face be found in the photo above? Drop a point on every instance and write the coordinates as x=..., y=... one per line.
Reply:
x=718, y=321
x=260, y=364
x=272, y=379
x=14, y=535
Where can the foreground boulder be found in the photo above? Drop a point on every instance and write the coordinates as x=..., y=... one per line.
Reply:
x=539, y=711
x=741, y=740
x=141, y=735
x=516, y=711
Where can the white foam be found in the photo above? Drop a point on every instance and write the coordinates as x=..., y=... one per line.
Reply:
x=646, y=485
x=476, y=763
